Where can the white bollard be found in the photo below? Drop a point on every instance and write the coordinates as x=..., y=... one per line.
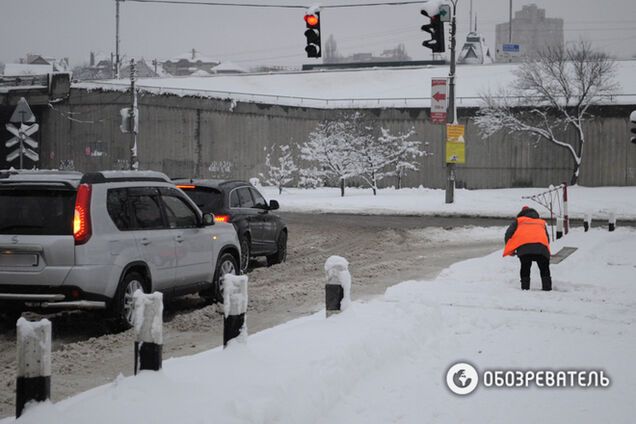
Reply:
x=559, y=231
x=612, y=221
x=148, y=324
x=234, y=308
x=587, y=223
x=34, y=362
x=338, y=287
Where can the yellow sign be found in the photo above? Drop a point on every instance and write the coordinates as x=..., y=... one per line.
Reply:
x=455, y=144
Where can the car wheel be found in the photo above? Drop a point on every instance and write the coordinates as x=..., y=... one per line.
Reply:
x=124, y=303
x=246, y=251
x=226, y=265
x=281, y=254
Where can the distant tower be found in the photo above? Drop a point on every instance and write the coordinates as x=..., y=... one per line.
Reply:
x=531, y=30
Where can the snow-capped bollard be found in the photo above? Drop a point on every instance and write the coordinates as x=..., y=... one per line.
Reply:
x=611, y=223
x=234, y=307
x=34, y=363
x=587, y=222
x=148, y=322
x=338, y=287
x=559, y=231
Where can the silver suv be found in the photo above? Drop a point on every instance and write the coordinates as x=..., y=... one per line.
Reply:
x=88, y=241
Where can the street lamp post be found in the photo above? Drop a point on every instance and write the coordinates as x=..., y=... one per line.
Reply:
x=452, y=108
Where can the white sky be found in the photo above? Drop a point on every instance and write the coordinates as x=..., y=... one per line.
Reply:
x=73, y=28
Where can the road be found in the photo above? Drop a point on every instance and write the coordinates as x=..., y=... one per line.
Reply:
x=382, y=251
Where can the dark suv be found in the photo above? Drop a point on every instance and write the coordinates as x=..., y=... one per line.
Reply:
x=260, y=232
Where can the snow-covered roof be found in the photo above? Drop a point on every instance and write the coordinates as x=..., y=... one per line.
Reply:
x=200, y=73
x=21, y=69
x=367, y=88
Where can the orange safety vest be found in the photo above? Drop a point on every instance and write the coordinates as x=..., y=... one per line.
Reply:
x=529, y=230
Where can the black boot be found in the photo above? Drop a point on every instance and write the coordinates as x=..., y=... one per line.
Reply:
x=546, y=283
x=525, y=284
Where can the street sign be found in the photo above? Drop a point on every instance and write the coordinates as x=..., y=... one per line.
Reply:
x=438, y=100
x=445, y=13
x=513, y=49
x=455, y=144
x=22, y=113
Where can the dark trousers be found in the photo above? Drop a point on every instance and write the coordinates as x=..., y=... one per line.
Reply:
x=526, y=263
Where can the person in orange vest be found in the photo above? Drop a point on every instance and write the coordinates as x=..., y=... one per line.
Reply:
x=527, y=237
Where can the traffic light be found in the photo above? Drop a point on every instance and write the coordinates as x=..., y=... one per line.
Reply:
x=632, y=130
x=313, y=49
x=436, y=29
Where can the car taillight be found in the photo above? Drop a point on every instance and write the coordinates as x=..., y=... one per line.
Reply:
x=221, y=218
x=186, y=187
x=82, y=215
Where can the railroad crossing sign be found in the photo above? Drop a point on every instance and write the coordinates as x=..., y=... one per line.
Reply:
x=22, y=113
x=21, y=134
x=438, y=100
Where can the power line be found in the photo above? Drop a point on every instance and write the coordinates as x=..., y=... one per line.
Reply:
x=278, y=6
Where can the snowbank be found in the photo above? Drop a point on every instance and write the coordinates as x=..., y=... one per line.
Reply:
x=385, y=360
x=599, y=201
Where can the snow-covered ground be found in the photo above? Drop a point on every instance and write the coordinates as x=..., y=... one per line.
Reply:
x=382, y=87
x=385, y=360
x=598, y=201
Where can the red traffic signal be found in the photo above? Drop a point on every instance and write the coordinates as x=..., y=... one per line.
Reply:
x=312, y=20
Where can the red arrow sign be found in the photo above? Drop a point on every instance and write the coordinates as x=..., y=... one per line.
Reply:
x=439, y=96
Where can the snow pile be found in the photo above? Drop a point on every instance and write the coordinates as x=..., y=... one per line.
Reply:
x=234, y=294
x=385, y=360
x=506, y=203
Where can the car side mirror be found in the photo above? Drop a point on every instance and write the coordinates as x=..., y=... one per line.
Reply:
x=208, y=219
x=273, y=205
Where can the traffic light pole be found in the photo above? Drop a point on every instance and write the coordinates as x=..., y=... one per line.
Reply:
x=134, y=160
x=452, y=108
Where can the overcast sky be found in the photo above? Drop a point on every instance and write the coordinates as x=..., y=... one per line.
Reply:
x=73, y=28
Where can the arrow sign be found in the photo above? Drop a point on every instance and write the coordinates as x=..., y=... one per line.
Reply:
x=438, y=100
x=29, y=129
x=31, y=154
x=22, y=113
x=30, y=142
x=13, y=155
x=439, y=96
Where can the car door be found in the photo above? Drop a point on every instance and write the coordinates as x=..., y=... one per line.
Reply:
x=193, y=242
x=254, y=219
x=268, y=221
x=154, y=239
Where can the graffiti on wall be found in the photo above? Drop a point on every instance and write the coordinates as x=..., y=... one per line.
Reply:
x=221, y=167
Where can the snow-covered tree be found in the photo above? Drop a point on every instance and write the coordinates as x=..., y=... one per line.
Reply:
x=280, y=173
x=404, y=152
x=552, y=95
x=331, y=145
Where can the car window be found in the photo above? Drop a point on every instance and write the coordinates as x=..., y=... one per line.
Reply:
x=179, y=214
x=234, y=199
x=245, y=197
x=29, y=210
x=259, y=201
x=147, y=212
x=118, y=210
x=208, y=200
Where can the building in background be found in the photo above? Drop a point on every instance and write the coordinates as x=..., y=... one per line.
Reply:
x=187, y=64
x=531, y=30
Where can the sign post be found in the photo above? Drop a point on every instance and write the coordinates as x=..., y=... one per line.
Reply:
x=22, y=115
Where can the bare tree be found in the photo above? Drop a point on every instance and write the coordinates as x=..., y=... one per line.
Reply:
x=404, y=152
x=281, y=173
x=552, y=95
x=331, y=146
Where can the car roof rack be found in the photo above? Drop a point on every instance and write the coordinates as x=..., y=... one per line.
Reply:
x=123, y=176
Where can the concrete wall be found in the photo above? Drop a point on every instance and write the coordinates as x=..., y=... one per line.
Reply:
x=212, y=138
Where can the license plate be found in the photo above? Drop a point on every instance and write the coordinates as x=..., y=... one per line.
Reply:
x=18, y=260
